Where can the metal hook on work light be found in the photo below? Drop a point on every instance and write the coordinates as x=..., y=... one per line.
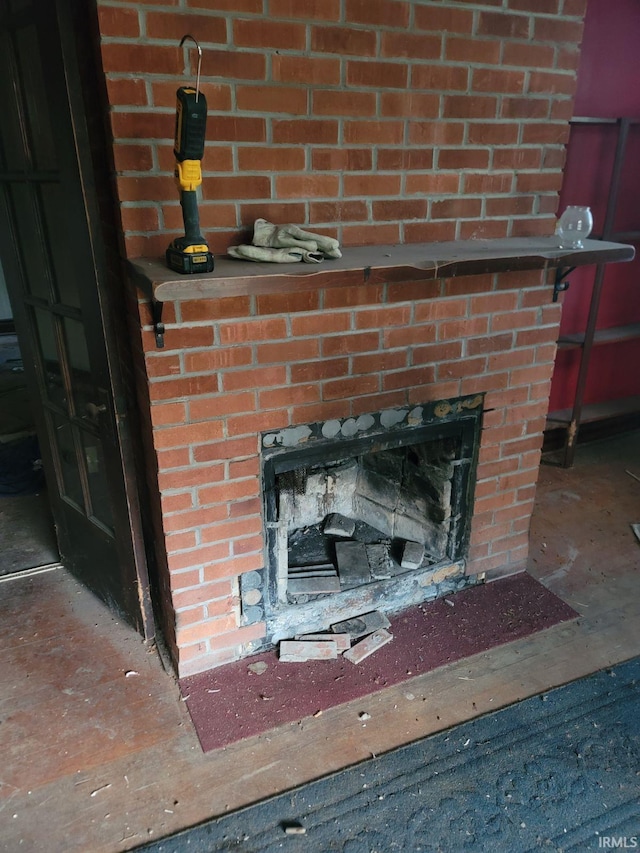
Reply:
x=182, y=41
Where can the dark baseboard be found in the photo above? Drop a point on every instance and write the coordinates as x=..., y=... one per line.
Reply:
x=554, y=438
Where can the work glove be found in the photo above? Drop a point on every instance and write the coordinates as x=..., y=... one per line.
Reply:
x=274, y=256
x=291, y=236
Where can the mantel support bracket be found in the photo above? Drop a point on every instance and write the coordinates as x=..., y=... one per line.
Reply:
x=560, y=284
x=158, y=325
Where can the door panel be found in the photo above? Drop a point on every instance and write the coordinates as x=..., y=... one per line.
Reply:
x=49, y=248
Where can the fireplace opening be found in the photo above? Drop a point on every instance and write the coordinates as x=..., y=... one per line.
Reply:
x=365, y=513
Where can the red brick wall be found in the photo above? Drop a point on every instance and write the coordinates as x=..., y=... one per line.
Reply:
x=236, y=366
x=373, y=120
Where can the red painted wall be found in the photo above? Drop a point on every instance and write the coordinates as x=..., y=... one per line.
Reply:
x=607, y=87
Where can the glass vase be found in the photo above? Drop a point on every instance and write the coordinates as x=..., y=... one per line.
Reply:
x=574, y=226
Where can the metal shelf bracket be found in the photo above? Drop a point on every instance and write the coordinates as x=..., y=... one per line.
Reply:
x=158, y=325
x=560, y=284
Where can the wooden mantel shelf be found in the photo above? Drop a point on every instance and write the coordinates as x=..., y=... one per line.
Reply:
x=372, y=264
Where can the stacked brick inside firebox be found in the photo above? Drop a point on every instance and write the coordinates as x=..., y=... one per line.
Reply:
x=376, y=121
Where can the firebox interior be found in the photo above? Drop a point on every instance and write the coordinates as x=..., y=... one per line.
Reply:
x=367, y=506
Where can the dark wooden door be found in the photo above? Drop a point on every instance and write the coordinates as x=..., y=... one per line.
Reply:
x=51, y=256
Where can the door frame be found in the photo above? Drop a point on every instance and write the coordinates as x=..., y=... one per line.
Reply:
x=79, y=51
x=88, y=104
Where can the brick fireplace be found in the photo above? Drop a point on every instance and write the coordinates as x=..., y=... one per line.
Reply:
x=235, y=370
x=381, y=123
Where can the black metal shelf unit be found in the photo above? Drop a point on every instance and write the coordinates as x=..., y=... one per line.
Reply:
x=571, y=418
